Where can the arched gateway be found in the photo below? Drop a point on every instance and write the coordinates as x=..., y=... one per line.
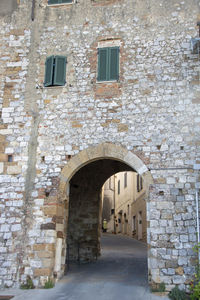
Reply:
x=79, y=199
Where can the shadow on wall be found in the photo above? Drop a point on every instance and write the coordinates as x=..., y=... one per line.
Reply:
x=7, y=7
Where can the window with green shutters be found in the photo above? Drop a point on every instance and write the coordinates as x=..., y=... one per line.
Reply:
x=55, y=71
x=59, y=1
x=108, y=64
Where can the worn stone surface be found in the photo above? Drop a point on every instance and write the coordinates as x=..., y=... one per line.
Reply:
x=150, y=118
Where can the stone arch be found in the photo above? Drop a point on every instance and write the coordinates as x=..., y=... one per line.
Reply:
x=91, y=154
x=105, y=151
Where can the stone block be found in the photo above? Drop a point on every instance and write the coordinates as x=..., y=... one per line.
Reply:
x=35, y=263
x=184, y=238
x=59, y=227
x=174, y=191
x=48, y=262
x=16, y=227
x=122, y=127
x=6, y=131
x=48, y=226
x=45, y=254
x=182, y=261
x=188, y=271
x=3, y=157
x=1, y=167
x=42, y=272
x=5, y=228
x=51, y=247
x=180, y=198
x=171, y=180
x=14, y=170
x=39, y=247
x=178, y=279
x=50, y=210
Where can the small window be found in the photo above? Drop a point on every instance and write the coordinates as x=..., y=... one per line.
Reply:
x=125, y=179
x=59, y=1
x=134, y=223
x=108, y=64
x=118, y=187
x=55, y=71
x=10, y=158
x=139, y=183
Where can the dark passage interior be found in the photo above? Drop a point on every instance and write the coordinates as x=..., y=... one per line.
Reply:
x=83, y=236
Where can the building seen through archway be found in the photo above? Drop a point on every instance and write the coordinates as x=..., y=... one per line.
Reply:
x=124, y=205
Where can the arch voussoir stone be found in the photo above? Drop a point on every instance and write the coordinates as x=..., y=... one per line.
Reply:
x=102, y=151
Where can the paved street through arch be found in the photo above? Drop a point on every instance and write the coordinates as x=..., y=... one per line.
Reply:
x=120, y=273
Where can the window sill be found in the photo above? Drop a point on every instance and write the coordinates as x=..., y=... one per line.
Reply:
x=108, y=81
x=60, y=4
x=54, y=87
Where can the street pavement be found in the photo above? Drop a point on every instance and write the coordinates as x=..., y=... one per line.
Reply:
x=120, y=273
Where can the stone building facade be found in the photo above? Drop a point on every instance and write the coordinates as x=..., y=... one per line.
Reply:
x=57, y=140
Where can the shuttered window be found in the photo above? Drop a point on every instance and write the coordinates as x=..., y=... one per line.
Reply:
x=59, y=1
x=139, y=183
x=108, y=64
x=118, y=189
x=55, y=71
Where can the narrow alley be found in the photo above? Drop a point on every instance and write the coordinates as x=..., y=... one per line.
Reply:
x=120, y=273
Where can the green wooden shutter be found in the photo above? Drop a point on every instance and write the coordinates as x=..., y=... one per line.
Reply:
x=48, y=71
x=102, y=64
x=60, y=70
x=113, y=73
x=53, y=1
x=66, y=1
x=59, y=1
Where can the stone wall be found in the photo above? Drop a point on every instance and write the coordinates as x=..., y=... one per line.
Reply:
x=15, y=124
x=152, y=111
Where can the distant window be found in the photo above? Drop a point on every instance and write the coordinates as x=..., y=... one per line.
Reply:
x=125, y=179
x=134, y=223
x=59, y=1
x=118, y=187
x=139, y=183
x=128, y=209
x=108, y=64
x=10, y=158
x=55, y=71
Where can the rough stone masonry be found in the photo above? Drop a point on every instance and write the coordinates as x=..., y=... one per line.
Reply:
x=148, y=120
